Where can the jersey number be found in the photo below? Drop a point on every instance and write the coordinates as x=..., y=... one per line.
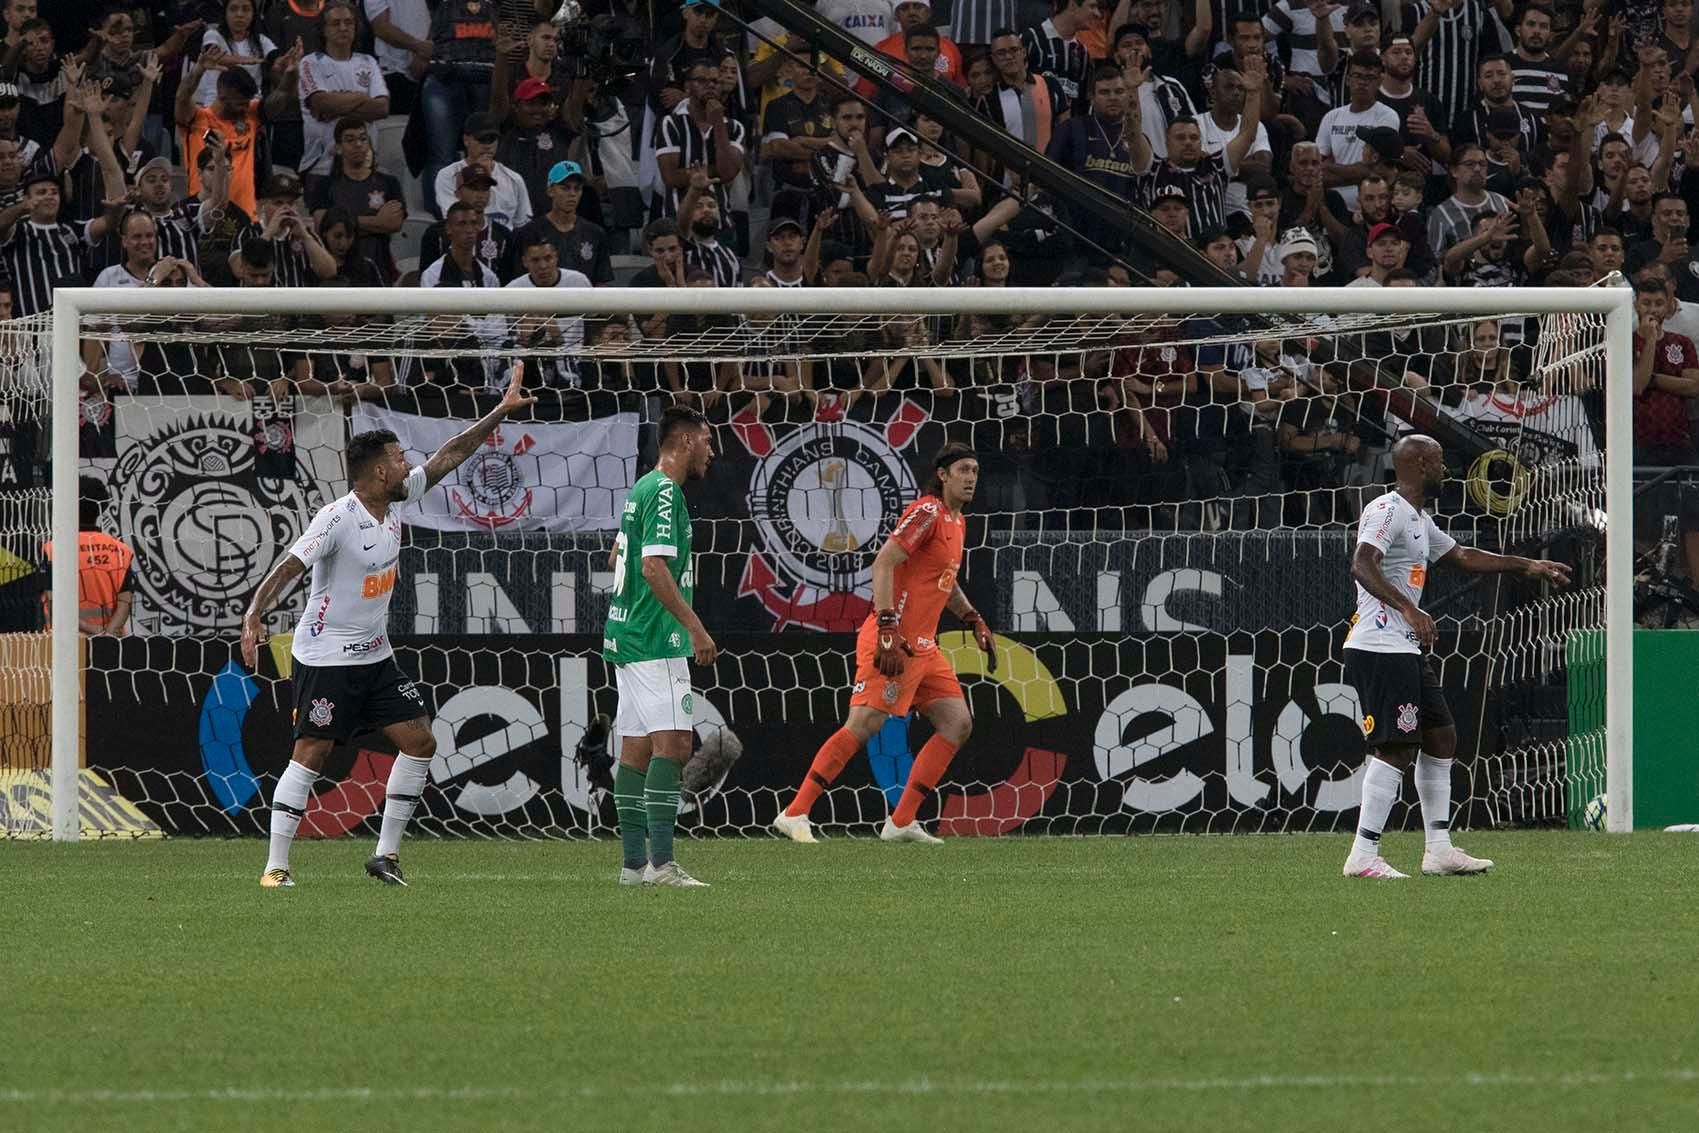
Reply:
x=620, y=546
x=1419, y=576
x=947, y=581
x=377, y=585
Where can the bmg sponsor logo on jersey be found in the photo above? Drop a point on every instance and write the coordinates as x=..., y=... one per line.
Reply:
x=822, y=498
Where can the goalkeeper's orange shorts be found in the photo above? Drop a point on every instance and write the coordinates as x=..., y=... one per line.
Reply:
x=925, y=677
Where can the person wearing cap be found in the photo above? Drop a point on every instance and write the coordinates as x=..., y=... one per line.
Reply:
x=1168, y=206
x=946, y=61
x=175, y=232
x=1388, y=248
x=299, y=257
x=581, y=246
x=510, y=200
x=1258, y=256
x=337, y=83
x=535, y=140
x=372, y=197
x=1340, y=137
x=1298, y=258
x=1423, y=125
x=669, y=75
x=901, y=184
x=1362, y=33
x=494, y=244
x=785, y=244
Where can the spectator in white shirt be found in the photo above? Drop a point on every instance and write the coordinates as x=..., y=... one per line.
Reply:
x=510, y=201
x=1338, y=138
x=337, y=83
x=565, y=334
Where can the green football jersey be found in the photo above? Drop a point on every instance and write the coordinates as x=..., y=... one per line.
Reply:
x=655, y=522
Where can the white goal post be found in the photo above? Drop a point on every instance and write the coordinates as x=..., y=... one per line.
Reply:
x=75, y=310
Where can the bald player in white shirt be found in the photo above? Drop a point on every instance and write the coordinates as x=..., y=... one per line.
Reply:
x=345, y=678
x=1388, y=660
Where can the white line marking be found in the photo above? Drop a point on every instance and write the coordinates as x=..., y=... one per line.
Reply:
x=745, y=1088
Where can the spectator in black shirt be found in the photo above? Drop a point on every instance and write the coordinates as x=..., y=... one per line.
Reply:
x=581, y=245
x=494, y=245
x=1095, y=145
x=795, y=127
x=372, y=198
x=665, y=247
x=535, y=141
x=339, y=230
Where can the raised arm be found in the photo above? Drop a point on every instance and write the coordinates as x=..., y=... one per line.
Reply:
x=454, y=452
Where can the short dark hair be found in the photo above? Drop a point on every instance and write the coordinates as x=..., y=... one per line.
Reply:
x=1103, y=71
x=1367, y=60
x=921, y=31
x=91, y=495
x=999, y=33
x=257, y=253
x=1605, y=230
x=656, y=229
x=458, y=208
x=1492, y=57
x=365, y=448
x=843, y=97
x=530, y=237
x=1645, y=286
x=1402, y=275
x=343, y=125
x=675, y=420
x=239, y=82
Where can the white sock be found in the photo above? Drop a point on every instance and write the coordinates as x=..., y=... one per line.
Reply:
x=288, y=806
x=1433, y=787
x=401, y=795
x=1381, y=781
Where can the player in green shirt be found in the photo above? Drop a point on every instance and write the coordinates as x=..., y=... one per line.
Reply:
x=651, y=630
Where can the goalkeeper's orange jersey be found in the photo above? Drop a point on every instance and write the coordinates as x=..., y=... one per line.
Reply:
x=933, y=539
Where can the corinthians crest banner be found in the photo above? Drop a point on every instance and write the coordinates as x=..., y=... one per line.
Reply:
x=528, y=476
x=210, y=492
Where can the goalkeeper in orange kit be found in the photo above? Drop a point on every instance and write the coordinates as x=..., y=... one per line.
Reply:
x=898, y=662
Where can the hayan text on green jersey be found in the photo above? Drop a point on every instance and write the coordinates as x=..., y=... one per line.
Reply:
x=655, y=522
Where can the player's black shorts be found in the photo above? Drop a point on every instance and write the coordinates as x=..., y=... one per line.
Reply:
x=336, y=702
x=1399, y=694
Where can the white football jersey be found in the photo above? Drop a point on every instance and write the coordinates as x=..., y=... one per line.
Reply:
x=1408, y=541
x=354, y=559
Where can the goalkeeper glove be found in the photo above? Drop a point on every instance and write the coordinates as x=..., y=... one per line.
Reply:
x=889, y=646
x=982, y=637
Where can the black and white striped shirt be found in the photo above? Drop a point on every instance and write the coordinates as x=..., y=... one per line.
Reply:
x=289, y=264
x=679, y=134
x=1294, y=25
x=1047, y=53
x=1537, y=85
x=713, y=257
x=1205, y=186
x=1445, y=65
x=40, y=258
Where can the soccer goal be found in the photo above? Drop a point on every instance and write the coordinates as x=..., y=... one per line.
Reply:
x=1170, y=483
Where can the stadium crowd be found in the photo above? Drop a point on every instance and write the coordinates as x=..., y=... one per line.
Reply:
x=488, y=143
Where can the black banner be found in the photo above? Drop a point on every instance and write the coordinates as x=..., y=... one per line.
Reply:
x=1075, y=733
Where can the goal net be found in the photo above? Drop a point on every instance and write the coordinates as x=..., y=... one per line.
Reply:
x=1169, y=491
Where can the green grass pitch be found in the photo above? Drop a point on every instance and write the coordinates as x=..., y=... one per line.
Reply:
x=1206, y=983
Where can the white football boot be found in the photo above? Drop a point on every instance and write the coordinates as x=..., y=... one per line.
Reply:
x=670, y=876
x=913, y=832
x=1375, y=869
x=1453, y=862
x=795, y=827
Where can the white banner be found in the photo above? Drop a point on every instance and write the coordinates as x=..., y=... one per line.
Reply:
x=209, y=493
x=528, y=476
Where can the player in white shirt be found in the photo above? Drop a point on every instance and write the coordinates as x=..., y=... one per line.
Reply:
x=1388, y=660
x=345, y=679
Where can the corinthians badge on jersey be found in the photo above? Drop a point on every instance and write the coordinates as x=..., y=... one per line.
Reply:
x=823, y=497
